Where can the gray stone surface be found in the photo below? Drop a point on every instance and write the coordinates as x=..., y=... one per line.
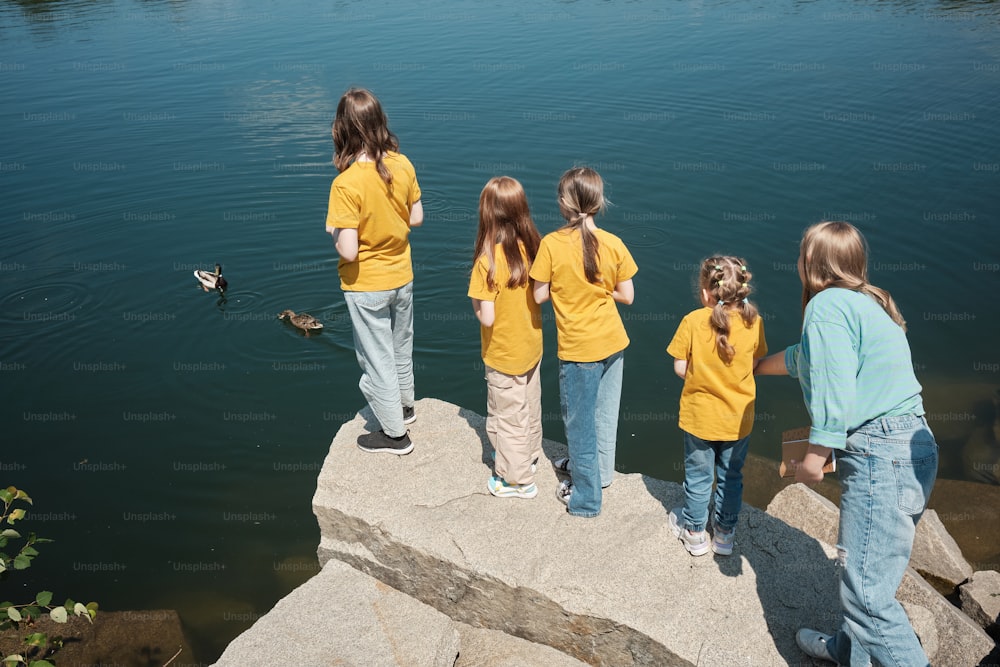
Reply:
x=950, y=638
x=615, y=590
x=342, y=617
x=799, y=506
x=936, y=556
x=492, y=648
x=981, y=599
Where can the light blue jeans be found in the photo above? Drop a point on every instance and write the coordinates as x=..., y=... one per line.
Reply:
x=589, y=394
x=383, y=341
x=704, y=462
x=886, y=476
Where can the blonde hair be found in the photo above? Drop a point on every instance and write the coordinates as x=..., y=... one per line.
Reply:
x=727, y=281
x=835, y=254
x=504, y=219
x=361, y=126
x=581, y=194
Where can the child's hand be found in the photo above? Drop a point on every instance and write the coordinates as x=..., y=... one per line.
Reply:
x=810, y=469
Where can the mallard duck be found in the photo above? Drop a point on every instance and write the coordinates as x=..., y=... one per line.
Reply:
x=210, y=280
x=303, y=321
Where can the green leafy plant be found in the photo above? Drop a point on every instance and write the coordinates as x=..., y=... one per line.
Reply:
x=38, y=646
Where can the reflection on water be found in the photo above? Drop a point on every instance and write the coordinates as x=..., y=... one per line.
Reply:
x=142, y=141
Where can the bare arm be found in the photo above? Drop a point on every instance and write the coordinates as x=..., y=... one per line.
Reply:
x=624, y=292
x=773, y=364
x=346, y=241
x=541, y=292
x=681, y=367
x=417, y=214
x=485, y=311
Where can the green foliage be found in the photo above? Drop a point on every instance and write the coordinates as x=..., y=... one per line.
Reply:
x=38, y=646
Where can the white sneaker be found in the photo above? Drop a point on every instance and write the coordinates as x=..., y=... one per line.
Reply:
x=695, y=543
x=564, y=491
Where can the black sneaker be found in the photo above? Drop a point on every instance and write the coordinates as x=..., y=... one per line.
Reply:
x=380, y=442
x=409, y=415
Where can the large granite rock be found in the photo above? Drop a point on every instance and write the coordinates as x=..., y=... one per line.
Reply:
x=615, y=590
x=949, y=637
x=935, y=555
x=342, y=617
x=981, y=600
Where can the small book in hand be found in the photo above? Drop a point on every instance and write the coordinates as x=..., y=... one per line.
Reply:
x=794, y=444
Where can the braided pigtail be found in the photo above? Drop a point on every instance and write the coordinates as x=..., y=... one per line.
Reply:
x=726, y=280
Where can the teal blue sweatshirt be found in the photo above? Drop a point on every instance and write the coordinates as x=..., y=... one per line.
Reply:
x=853, y=364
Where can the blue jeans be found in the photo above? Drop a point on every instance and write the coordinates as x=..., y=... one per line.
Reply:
x=886, y=476
x=383, y=341
x=704, y=462
x=589, y=394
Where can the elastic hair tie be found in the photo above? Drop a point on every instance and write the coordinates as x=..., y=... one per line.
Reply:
x=746, y=300
x=745, y=285
x=721, y=302
x=744, y=269
x=720, y=281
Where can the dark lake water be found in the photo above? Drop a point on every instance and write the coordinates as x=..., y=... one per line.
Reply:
x=171, y=439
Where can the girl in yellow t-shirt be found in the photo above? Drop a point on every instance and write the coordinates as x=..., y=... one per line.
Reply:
x=715, y=350
x=374, y=203
x=511, y=335
x=586, y=271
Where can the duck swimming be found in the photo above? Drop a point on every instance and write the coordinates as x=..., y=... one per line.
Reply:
x=303, y=321
x=210, y=280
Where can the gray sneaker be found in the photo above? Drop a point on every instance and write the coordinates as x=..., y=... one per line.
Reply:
x=380, y=442
x=722, y=541
x=695, y=543
x=814, y=644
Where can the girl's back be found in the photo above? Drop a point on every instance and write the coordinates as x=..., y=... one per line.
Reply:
x=513, y=344
x=587, y=320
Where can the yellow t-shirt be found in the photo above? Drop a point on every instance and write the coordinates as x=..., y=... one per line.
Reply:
x=513, y=345
x=360, y=199
x=717, y=401
x=587, y=321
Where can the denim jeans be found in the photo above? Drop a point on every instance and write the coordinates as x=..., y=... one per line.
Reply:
x=589, y=394
x=886, y=476
x=704, y=462
x=383, y=341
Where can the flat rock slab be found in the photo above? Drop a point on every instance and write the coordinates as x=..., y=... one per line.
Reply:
x=614, y=590
x=343, y=617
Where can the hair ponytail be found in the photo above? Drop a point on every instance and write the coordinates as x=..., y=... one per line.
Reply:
x=581, y=194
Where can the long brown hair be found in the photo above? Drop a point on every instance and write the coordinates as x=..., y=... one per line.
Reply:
x=727, y=281
x=504, y=219
x=360, y=126
x=835, y=254
x=581, y=194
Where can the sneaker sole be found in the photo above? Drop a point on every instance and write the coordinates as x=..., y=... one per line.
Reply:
x=388, y=450
x=722, y=551
x=511, y=493
x=410, y=420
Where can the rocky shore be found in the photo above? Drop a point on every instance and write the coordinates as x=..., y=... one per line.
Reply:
x=421, y=566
